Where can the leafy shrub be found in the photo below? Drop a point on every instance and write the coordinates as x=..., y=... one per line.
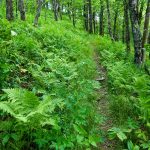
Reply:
x=5, y=30
x=50, y=90
x=129, y=96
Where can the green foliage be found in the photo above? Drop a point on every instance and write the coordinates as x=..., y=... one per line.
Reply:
x=129, y=95
x=5, y=30
x=49, y=99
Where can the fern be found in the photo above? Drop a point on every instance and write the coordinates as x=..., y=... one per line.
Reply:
x=25, y=106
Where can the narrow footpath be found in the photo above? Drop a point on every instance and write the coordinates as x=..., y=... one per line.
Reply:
x=103, y=105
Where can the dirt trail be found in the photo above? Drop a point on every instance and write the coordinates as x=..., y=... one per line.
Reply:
x=103, y=105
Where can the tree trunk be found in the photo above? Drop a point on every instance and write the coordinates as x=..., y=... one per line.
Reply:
x=136, y=32
x=90, y=17
x=16, y=8
x=69, y=13
x=94, y=22
x=21, y=8
x=123, y=30
x=109, y=19
x=149, y=38
x=146, y=25
x=127, y=28
x=55, y=9
x=73, y=10
x=115, y=25
x=60, y=9
x=9, y=10
x=38, y=12
x=86, y=16
x=140, y=15
x=101, y=21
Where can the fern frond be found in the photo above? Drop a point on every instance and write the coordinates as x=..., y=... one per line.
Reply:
x=26, y=107
x=6, y=107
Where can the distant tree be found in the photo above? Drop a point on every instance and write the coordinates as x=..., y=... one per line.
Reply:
x=136, y=31
x=115, y=22
x=101, y=20
x=127, y=27
x=55, y=9
x=9, y=10
x=109, y=19
x=146, y=24
x=146, y=28
x=86, y=16
x=21, y=8
x=38, y=11
x=90, y=17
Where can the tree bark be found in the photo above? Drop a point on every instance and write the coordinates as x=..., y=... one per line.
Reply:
x=73, y=10
x=90, y=17
x=9, y=10
x=94, y=22
x=16, y=8
x=127, y=28
x=136, y=32
x=140, y=14
x=101, y=22
x=109, y=19
x=55, y=9
x=86, y=16
x=21, y=8
x=146, y=25
x=149, y=38
x=115, y=25
x=60, y=9
x=123, y=30
x=38, y=12
x=69, y=13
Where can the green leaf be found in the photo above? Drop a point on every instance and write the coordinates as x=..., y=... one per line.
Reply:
x=5, y=139
x=121, y=136
x=92, y=141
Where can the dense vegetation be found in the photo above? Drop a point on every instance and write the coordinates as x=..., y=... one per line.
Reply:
x=129, y=96
x=49, y=91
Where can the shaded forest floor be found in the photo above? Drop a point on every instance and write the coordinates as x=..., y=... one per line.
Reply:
x=103, y=105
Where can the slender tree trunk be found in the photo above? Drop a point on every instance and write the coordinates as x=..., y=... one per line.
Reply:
x=9, y=10
x=16, y=8
x=115, y=25
x=74, y=17
x=55, y=9
x=69, y=13
x=146, y=25
x=109, y=19
x=73, y=10
x=126, y=17
x=21, y=8
x=86, y=15
x=101, y=22
x=141, y=12
x=60, y=9
x=46, y=8
x=146, y=28
x=136, y=32
x=149, y=38
x=38, y=12
x=123, y=30
x=94, y=22
x=90, y=17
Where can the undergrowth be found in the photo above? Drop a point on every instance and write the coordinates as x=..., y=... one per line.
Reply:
x=47, y=88
x=129, y=95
